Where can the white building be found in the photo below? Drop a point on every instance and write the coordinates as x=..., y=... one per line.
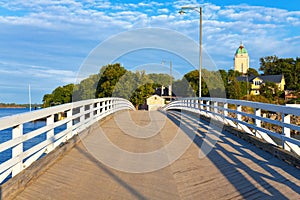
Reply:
x=241, y=59
x=155, y=102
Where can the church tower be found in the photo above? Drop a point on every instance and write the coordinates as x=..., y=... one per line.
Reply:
x=241, y=60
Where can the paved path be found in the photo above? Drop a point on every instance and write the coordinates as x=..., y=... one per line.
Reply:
x=233, y=169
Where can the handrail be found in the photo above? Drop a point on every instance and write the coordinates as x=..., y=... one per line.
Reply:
x=234, y=113
x=78, y=116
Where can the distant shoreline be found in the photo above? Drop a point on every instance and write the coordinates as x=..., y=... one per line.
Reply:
x=13, y=107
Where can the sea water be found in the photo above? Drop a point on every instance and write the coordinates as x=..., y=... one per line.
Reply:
x=12, y=111
x=6, y=134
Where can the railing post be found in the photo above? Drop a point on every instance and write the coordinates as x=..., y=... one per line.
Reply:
x=93, y=114
x=215, y=107
x=257, y=121
x=115, y=103
x=97, y=109
x=111, y=106
x=225, y=111
x=69, y=124
x=69, y=115
x=104, y=107
x=207, y=107
x=81, y=111
x=108, y=105
x=50, y=133
x=100, y=108
x=286, y=131
x=215, y=110
x=17, y=150
x=238, y=115
x=201, y=104
x=91, y=111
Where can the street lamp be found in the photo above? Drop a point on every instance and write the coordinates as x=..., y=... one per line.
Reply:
x=170, y=89
x=199, y=10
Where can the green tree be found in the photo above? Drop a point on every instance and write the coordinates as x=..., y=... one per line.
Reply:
x=130, y=82
x=140, y=94
x=86, y=89
x=192, y=78
x=233, y=74
x=182, y=88
x=270, y=91
x=224, y=76
x=269, y=65
x=297, y=74
x=47, y=100
x=213, y=83
x=109, y=76
x=234, y=89
x=68, y=92
x=289, y=67
x=58, y=96
x=252, y=72
x=161, y=79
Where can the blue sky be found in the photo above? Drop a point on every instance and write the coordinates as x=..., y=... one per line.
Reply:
x=46, y=43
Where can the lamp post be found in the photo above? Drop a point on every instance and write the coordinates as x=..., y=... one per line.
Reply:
x=199, y=10
x=170, y=89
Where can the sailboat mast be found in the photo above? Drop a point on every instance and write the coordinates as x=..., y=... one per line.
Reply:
x=29, y=98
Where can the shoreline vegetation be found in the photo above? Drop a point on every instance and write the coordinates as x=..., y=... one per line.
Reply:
x=14, y=105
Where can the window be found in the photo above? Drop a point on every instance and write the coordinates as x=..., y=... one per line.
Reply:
x=257, y=82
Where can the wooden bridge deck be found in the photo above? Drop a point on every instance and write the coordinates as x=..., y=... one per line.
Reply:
x=233, y=169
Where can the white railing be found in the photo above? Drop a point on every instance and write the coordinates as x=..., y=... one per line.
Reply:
x=75, y=117
x=269, y=122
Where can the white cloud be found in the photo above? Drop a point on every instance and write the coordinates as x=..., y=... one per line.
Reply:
x=260, y=13
x=178, y=4
x=149, y=4
x=163, y=10
x=32, y=71
x=293, y=39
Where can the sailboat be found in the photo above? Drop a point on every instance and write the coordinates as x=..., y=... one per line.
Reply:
x=29, y=91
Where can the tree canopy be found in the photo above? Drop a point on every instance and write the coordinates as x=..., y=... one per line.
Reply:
x=289, y=67
x=60, y=95
x=115, y=80
x=112, y=80
x=109, y=76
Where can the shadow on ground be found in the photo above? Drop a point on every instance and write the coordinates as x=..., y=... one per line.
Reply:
x=232, y=164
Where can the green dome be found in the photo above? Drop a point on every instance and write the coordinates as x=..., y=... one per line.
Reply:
x=241, y=50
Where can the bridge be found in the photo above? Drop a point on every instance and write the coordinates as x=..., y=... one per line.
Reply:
x=193, y=148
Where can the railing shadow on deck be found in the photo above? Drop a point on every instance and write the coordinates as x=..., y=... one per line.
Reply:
x=109, y=172
x=240, y=181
